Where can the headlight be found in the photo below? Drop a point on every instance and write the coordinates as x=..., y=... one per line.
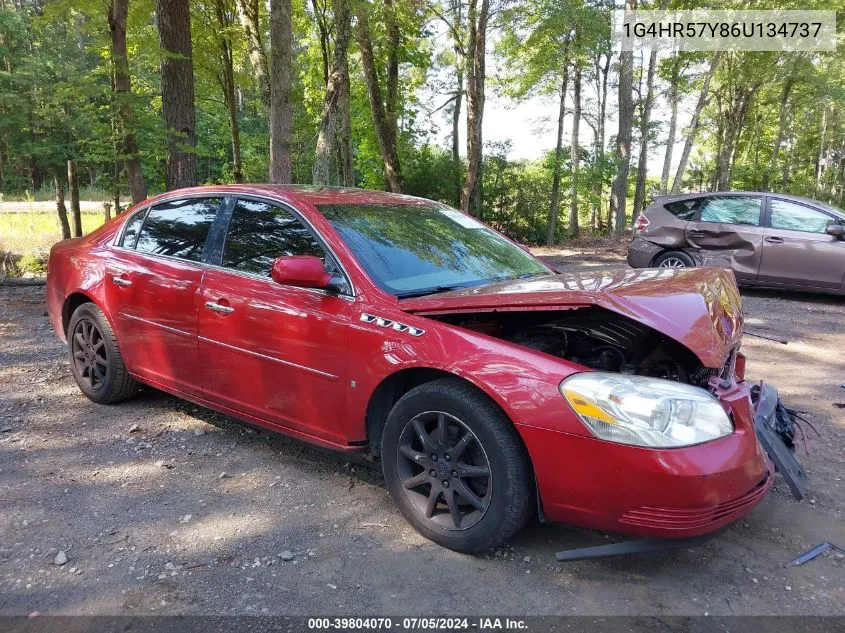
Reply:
x=645, y=411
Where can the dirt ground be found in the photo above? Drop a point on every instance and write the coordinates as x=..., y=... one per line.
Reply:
x=162, y=507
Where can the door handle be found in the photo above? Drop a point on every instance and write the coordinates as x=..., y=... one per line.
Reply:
x=120, y=281
x=774, y=240
x=216, y=307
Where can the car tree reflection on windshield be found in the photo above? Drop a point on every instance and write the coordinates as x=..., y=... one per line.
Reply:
x=415, y=249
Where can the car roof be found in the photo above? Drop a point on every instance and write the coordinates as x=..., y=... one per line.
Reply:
x=786, y=196
x=314, y=194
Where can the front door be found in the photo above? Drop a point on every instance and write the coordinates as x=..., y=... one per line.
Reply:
x=278, y=353
x=727, y=232
x=797, y=250
x=154, y=281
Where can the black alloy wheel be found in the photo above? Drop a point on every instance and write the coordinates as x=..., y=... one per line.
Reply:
x=456, y=467
x=444, y=470
x=95, y=359
x=89, y=353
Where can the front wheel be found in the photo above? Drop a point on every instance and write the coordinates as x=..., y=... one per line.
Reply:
x=456, y=467
x=95, y=359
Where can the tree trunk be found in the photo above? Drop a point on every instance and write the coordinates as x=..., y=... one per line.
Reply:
x=117, y=13
x=782, y=118
x=73, y=185
x=383, y=128
x=645, y=120
x=598, y=178
x=177, y=92
x=821, y=159
x=476, y=76
x=457, y=46
x=281, y=107
x=673, y=123
x=575, y=151
x=551, y=237
x=223, y=26
x=347, y=158
x=619, y=190
x=250, y=18
x=392, y=81
x=693, y=125
x=61, y=209
x=327, y=136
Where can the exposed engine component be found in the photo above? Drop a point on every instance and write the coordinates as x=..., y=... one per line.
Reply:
x=596, y=338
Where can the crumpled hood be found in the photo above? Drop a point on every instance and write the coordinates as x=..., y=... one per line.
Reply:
x=698, y=307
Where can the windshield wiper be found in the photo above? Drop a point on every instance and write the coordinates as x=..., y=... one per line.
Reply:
x=428, y=291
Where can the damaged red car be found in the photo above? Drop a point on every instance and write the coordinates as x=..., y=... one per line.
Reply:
x=490, y=387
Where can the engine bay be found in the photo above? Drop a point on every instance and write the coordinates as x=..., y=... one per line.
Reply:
x=593, y=337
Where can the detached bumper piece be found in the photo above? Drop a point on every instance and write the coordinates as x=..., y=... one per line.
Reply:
x=636, y=546
x=774, y=427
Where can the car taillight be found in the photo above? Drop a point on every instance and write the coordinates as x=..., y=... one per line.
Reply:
x=641, y=223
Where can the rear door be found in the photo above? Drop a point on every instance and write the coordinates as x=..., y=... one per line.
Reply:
x=796, y=249
x=153, y=284
x=727, y=231
x=267, y=350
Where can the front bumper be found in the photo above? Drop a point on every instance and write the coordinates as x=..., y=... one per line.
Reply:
x=667, y=493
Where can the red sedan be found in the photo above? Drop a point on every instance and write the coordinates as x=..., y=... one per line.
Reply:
x=489, y=386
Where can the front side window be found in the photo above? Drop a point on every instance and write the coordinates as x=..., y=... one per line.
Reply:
x=417, y=249
x=259, y=232
x=178, y=228
x=732, y=210
x=796, y=217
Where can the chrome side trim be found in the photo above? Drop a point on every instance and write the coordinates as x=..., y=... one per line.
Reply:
x=172, y=330
x=310, y=370
x=393, y=325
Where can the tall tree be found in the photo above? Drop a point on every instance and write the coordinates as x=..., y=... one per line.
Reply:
x=645, y=121
x=177, y=92
x=281, y=107
x=554, y=202
x=476, y=75
x=672, y=97
x=692, y=128
x=576, y=149
x=249, y=14
x=335, y=99
x=385, y=128
x=128, y=146
x=619, y=190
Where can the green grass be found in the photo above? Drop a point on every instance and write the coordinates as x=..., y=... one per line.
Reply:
x=35, y=232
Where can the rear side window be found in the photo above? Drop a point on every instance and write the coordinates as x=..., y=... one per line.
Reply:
x=178, y=228
x=259, y=232
x=130, y=231
x=683, y=209
x=796, y=217
x=732, y=210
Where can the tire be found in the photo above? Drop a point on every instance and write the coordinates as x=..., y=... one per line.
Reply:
x=673, y=259
x=491, y=508
x=95, y=359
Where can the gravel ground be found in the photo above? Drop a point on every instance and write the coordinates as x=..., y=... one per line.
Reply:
x=162, y=507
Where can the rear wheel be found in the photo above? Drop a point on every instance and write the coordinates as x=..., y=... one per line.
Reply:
x=455, y=466
x=673, y=259
x=95, y=360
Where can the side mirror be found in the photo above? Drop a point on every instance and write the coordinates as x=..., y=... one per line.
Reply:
x=524, y=247
x=836, y=230
x=303, y=271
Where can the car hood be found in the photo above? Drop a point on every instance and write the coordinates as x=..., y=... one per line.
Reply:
x=698, y=307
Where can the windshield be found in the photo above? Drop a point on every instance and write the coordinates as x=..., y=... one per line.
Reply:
x=416, y=249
